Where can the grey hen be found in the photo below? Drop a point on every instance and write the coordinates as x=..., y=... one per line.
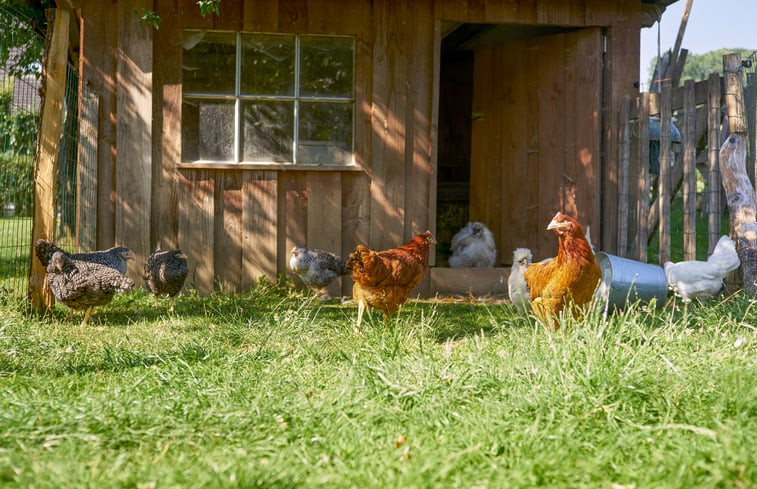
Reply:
x=316, y=268
x=473, y=246
x=165, y=273
x=517, y=287
x=84, y=285
x=115, y=257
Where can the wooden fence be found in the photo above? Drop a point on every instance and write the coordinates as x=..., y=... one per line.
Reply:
x=703, y=113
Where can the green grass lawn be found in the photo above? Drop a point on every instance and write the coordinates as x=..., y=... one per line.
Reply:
x=271, y=389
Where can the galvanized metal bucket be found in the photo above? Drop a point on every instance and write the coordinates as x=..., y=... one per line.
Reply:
x=626, y=281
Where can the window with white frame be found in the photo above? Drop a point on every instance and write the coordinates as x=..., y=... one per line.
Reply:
x=267, y=98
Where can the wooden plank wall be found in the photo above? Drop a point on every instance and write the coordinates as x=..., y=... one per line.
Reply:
x=99, y=41
x=133, y=186
x=216, y=216
x=536, y=128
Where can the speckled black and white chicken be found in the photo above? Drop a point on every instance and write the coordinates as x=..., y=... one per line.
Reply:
x=316, y=268
x=165, y=273
x=115, y=257
x=473, y=246
x=84, y=285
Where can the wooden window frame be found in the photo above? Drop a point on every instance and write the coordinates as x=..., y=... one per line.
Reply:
x=238, y=98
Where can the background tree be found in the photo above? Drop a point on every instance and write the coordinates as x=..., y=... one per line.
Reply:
x=699, y=66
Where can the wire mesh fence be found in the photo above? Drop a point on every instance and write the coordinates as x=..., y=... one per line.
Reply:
x=21, y=49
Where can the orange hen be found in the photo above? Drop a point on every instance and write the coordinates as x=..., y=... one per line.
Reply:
x=385, y=279
x=572, y=276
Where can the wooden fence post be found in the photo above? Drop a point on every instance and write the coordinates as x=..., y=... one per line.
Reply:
x=734, y=94
x=625, y=163
x=713, y=183
x=642, y=235
x=46, y=164
x=666, y=114
x=741, y=207
x=689, y=172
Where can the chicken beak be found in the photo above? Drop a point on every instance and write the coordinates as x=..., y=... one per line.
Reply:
x=553, y=224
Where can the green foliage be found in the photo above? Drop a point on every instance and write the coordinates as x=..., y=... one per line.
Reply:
x=18, y=132
x=209, y=7
x=17, y=178
x=22, y=35
x=272, y=390
x=148, y=17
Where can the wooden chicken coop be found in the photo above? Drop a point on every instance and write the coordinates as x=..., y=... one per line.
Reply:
x=329, y=123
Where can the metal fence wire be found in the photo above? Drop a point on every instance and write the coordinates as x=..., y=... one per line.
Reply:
x=21, y=50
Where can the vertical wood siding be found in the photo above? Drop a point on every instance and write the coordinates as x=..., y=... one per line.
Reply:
x=134, y=135
x=236, y=225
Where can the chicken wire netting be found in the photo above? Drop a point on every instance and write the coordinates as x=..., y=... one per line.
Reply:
x=21, y=60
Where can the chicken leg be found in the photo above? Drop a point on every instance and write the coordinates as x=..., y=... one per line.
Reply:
x=87, y=313
x=360, y=310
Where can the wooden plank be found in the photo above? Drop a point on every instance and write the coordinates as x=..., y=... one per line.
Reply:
x=624, y=157
x=419, y=68
x=689, y=174
x=486, y=169
x=86, y=175
x=535, y=224
x=390, y=85
x=573, y=67
x=713, y=184
x=261, y=16
x=196, y=216
x=46, y=171
x=642, y=184
x=292, y=215
x=98, y=70
x=259, y=218
x=324, y=217
x=515, y=178
x=547, y=69
x=666, y=115
x=134, y=135
x=586, y=160
x=355, y=216
x=166, y=146
x=734, y=94
x=434, y=137
x=227, y=221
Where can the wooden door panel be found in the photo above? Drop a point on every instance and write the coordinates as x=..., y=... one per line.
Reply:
x=535, y=138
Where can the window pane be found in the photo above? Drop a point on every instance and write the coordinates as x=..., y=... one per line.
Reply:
x=268, y=129
x=326, y=65
x=207, y=130
x=267, y=64
x=325, y=133
x=209, y=62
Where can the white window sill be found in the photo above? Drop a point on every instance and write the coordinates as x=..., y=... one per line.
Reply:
x=206, y=165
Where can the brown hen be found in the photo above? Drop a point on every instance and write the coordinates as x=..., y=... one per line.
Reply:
x=570, y=278
x=385, y=279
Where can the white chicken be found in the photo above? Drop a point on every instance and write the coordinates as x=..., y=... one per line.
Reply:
x=473, y=247
x=697, y=279
x=516, y=284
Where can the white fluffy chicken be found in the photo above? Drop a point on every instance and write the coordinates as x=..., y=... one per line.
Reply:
x=316, y=268
x=473, y=247
x=698, y=279
x=516, y=284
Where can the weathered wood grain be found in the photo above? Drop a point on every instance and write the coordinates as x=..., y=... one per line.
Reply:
x=46, y=170
x=133, y=209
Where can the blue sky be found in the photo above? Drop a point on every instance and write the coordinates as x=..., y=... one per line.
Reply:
x=713, y=24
